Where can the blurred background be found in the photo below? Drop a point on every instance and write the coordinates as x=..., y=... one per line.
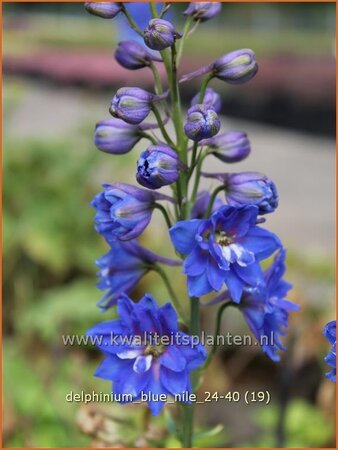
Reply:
x=59, y=75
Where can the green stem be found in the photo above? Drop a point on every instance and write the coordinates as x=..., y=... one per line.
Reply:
x=193, y=159
x=217, y=331
x=172, y=293
x=148, y=136
x=213, y=198
x=204, y=86
x=153, y=9
x=188, y=410
x=186, y=29
x=131, y=21
x=157, y=78
x=165, y=214
x=198, y=176
x=162, y=127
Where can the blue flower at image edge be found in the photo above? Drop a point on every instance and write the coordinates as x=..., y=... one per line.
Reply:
x=137, y=367
x=330, y=359
x=226, y=249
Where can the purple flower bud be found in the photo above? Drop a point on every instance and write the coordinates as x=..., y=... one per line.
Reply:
x=236, y=67
x=123, y=211
x=203, y=10
x=202, y=123
x=201, y=205
x=230, y=147
x=103, y=9
x=248, y=188
x=115, y=136
x=157, y=166
x=131, y=104
x=160, y=34
x=132, y=55
x=211, y=98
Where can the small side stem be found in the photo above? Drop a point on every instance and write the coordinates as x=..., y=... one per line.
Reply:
x=213, y=198
x=197, y=176
x=204, y=86
x=162, y=127
x=149, y=136
x=157, y=78
x=165, y=214
x=131, y=21
x=217, y=330
x=171, y=292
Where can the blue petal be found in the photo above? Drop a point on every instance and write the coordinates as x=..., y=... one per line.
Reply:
x=168, y=318
x=183, y=235
x=235, y=285
x=251, y=274
x=199, y=285
x=155, y=387
x=110, y=368
x=215, y=274
x=173, y=359
x=131, y=382
x=196, y=262
x=174, y=382
x=260, y=242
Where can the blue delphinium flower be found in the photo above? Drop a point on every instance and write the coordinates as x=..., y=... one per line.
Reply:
x=123, y=211
x=132, y=55
x=158, y=166
x=266, y=310
x=330, y=334
x=145, y=351
x=229, y=147
x=203, y=10
x=160, y=34
x=226, y=249
x=123, y=267
x=202, y=122
x=248, y=188
x=211, y=98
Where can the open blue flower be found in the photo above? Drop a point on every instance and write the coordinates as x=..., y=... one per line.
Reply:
x=146, y=353
x=330, y=334
x=123, y=267
x=226, y=249
x=267, y=310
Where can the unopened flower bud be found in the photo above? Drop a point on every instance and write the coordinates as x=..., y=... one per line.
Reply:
x=116, y=136
x=211, y=98
x=230, y=147
x=160, y=34
x=203, y=10
x=236, y=67
x=132, y=55
x=248, y=188
x=202, y=123
x=131, y=104
x=105, y=10
x=157, y=166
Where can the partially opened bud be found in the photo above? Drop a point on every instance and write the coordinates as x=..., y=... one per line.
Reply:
x=211, y=98
x=230, y=147
x=248, y=188
x=236, y=67
x=105, y=10
x=157, y=166
x=160, y=34
x=131, y=104
x=203, y=10
x=132, y=55
x=116, y=136
x=202, y=123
